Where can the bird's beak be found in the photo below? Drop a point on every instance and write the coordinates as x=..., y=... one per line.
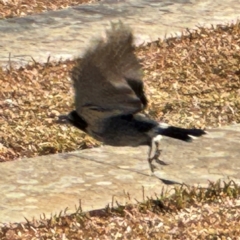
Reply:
x=62, y=119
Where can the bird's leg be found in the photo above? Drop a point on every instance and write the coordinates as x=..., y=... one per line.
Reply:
x=150, y=159
x=157, y=153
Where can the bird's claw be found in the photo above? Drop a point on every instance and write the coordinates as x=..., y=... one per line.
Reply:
x=156, y=158
x=161, y=162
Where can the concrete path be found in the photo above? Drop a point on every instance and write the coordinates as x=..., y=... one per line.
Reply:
x=51, y=183
x=48, y=184
x=66, y=33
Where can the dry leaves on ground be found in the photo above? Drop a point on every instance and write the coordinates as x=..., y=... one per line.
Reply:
x=190, y=213
x=195, y=80
x=192, y=81
x=20, y=8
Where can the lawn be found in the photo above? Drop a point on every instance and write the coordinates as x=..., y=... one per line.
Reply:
x=190, y=81
x=20, y=8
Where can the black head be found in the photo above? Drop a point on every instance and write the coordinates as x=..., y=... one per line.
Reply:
x=77, y=121
x=74, y=119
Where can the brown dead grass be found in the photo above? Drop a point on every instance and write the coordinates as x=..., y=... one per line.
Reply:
x=189, y=213
x=192, y=81
x=195, y=80
x=20, y=8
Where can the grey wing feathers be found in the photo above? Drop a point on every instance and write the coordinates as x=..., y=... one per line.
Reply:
x=109, y=77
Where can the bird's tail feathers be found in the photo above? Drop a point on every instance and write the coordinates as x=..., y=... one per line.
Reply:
x=183, y=134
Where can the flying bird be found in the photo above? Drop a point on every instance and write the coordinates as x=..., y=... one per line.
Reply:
x=109, y=96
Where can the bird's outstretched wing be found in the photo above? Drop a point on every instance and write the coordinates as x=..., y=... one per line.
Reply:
x=108, y=79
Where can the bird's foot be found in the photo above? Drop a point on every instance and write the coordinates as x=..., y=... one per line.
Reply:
x=161, y=162
x=151, y=166
x=157, y=153
x=150, y=160
x=157, y=160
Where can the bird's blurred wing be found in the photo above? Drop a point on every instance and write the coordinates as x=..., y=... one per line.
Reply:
x=109, y=77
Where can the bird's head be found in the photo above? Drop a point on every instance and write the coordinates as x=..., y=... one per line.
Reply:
x=74, y=119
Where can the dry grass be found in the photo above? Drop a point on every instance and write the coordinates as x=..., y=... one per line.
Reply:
x=195, y=80
x=20, y=8
x=190, y=213
x=192, y=81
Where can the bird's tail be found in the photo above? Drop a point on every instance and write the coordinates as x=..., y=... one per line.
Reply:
x=180, y=133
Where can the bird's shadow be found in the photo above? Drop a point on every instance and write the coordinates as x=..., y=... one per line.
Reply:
x=168, y=182
x=165, y=181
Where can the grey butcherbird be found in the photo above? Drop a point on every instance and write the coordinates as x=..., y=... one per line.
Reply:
x=109, y=96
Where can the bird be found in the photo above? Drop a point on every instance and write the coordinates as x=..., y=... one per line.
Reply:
x=110, y=98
